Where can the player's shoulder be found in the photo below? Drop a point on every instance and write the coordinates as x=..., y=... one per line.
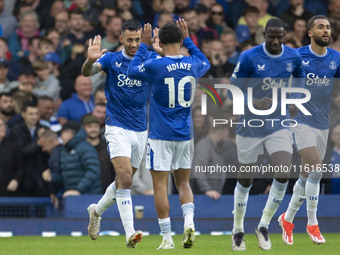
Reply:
x=303, y=50
x=334, y=53
x=255, y=50
x=109, y=55
x=291, y=51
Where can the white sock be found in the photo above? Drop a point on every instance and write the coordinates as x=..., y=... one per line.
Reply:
x=188, y=213
x=108, y=199
x=312, y=195
x=124, y=204
x=241, y=195
x=276, y=194
x=299, y=196
x=165, y=226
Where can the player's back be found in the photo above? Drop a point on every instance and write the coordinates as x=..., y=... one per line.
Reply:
x=173, y=88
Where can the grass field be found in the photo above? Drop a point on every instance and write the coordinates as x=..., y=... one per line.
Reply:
x=204, y=245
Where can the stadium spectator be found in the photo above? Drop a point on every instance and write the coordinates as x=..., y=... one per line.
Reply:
x=47, y=16
x=334, y=114
x=113, y=28
x=229, y=41
x=262, y=6
x=26, y=81
x=36, y=5
x=334, y=10
x=250, y=31
x=125, y=10
x=45, y=46
x=92, y=128
x=203, y=14
x=61, y=23
x=167, y=7
x=99, y=112
x=8, y=22
x=11, y=164
x=46, y=108
x=105, y=14
x=299, y=32
x=164, y=18
x=53, y=62
x=28, y=27
x=79, y=104
x=181, y=6
x=79, y=164
x=76, y=34
x=220, y=66
x=46, y=84
x=4, y=82
x=90, y=14
x=197, y=34
x=210, y=151
x=201, y=124
x=51, y=144
x=217, y=19
x=7, y=106
x=295, y=10
x=25, y=135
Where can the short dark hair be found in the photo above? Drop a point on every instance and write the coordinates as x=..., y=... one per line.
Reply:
x=4, y=40
x=311, y=21
x=76, y=11
x=5, y=94
x=132, y=25
x=274, y=22
x=45, y=98
x=187, y=10
x=28, y=104
x=170, y=33
x=250, y=9
x=100, y=104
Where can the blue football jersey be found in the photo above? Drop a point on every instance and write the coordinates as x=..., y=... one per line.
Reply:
x=173, y=85
x=320, y=73
x=262, y=71
x=126, y=98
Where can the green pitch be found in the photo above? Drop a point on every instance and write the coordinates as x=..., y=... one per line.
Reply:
x=204, y=245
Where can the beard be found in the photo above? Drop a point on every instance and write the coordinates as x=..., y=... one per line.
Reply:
x=5, y=112
x=320, y=42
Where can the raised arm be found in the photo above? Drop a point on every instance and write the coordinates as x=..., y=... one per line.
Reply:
x=90, y=66
x=137, y=69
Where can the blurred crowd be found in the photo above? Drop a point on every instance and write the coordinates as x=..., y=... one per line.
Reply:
x=52, y=119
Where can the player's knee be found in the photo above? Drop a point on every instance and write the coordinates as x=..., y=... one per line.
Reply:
x=125, y=180
x=314, y=176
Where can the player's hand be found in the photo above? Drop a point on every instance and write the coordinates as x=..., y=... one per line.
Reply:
x=293, y=110
x=146, y=35
x=213, y=194
x=155, y=44
x=183, y=26
x=71, y=192
x=262, y=104
x=47, y=175
x=13, y=185
x=94, y=52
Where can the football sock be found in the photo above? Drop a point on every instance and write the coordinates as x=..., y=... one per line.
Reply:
x=312, y=196
x=124, y=204
x=108, y=199
x=299, y=196
x=241, y=195
x=165, y=226
x=276, y=194
x=188, y=213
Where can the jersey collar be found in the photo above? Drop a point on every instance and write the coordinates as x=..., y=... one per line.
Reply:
x=316, y=54
x=126, y=56
x=176, y=56
x=272, y=55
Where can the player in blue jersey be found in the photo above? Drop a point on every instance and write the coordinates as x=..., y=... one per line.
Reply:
x=170, y=146
x=264, y=69
x=321, y=65
x=126, y=125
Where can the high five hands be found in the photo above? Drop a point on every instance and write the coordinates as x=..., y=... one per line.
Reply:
x=94, y=52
